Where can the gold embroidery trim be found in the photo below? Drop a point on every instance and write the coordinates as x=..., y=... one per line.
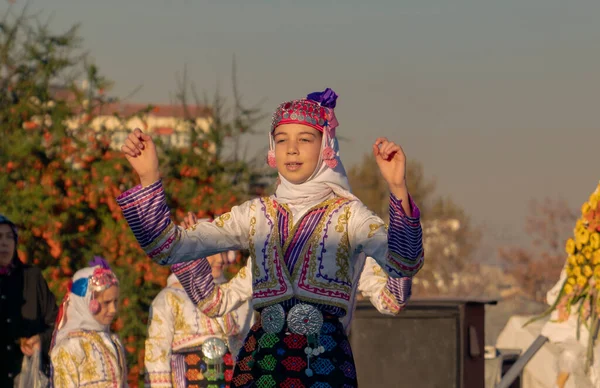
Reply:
x=220, y=221
x=374, y=228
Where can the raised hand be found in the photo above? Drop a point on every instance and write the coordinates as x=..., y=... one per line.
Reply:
x=140, y=151
x=392, y=163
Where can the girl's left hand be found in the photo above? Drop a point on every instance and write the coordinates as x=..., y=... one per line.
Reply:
x=391, y=161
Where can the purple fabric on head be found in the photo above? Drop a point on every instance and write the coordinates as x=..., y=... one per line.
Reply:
x=98, y=260
x=326, y=98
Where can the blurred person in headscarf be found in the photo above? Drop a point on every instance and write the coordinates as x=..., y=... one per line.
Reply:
x=27, y=308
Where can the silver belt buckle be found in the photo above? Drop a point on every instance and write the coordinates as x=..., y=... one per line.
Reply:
x=273, y=318
x=305, y=319
x=214, y=348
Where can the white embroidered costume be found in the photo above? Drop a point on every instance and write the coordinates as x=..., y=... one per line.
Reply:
x=86, y=353
x=308, y=246
x=176, y=324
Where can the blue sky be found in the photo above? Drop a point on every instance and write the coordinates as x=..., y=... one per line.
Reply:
x=497, y=99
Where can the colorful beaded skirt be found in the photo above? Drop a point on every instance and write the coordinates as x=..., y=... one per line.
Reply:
x=191, y=369
x=269, y=360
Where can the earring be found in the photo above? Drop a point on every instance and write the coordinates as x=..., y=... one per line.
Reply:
x=271, y=159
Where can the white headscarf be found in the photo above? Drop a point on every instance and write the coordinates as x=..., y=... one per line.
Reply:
x=324, y=181
x=78, y=316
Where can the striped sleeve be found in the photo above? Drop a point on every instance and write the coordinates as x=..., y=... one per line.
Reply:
x=397, y=247
x=214, y=300
x=405, y=237
x=146, y=212
x=149, y=217
x=400, y=288
x=196, y=279
x=388, y=295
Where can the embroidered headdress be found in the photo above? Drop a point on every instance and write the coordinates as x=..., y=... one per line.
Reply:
x=316, y=111
x=79, y=305
x=101, y=279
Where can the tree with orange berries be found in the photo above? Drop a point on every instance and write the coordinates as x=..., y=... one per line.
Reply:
x=59, y=175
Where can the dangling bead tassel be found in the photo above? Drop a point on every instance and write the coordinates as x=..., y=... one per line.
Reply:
x=271, y=159
x=329, y=157
x=219, y=365
x=312, y=350
x=308, y=351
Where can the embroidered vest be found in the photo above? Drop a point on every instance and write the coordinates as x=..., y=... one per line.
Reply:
x=309, y=259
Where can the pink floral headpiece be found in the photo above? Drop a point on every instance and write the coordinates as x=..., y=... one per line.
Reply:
x=103, y=279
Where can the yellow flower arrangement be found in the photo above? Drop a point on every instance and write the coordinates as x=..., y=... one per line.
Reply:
x=580, y=293
x=594, y=241
x=570, y=246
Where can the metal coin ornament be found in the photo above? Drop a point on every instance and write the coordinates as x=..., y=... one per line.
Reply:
x=273, y=318
x=214, y=348
x=305, y=319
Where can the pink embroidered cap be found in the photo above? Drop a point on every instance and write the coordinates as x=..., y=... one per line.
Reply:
x=316, y=111
x=102, y=278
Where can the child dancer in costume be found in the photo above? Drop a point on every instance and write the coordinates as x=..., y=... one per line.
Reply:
x=85, y=352
x=185, y=347
x=388, y=295
x=306, y=244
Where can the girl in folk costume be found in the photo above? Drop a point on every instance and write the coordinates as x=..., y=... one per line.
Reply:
x=85, y=352
x=308, y=244
x=388, y=295
x=187, y=348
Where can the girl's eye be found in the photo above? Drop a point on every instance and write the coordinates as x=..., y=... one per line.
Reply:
x=279, y=141
x=305, y=140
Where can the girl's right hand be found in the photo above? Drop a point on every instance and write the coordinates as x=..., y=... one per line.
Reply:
x=140, y=151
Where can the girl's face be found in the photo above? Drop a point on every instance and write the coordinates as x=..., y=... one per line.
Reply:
x=109, y=305
x=297, y=151
x=7, y=244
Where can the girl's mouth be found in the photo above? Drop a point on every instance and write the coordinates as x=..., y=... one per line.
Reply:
x=293, y=166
